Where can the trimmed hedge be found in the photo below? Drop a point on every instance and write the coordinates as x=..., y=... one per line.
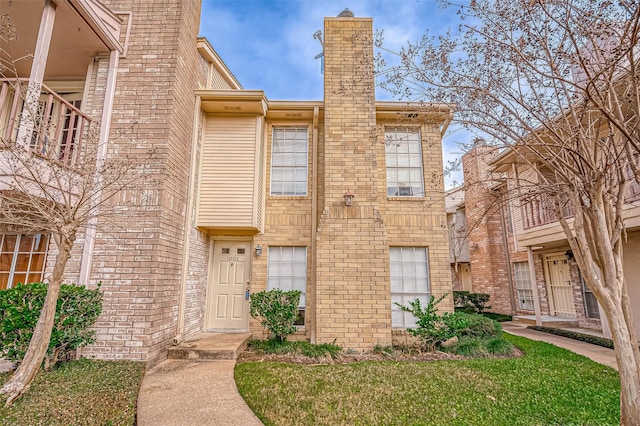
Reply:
x=76, y=311
x=595, y=340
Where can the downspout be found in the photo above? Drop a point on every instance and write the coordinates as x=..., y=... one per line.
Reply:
x=103, y=141
x=314, y=216
x=534, y=287
x=188, y=223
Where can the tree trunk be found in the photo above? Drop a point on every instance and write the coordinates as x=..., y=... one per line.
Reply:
x=26, y=372
x=628, y=364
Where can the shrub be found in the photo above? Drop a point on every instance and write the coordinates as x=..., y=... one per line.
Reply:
x=476, y=301
x=469, y=346
x=477, y=325
x=432, y=329
x=497, y=317
x=76, y=311
x=595, y=340
x=499, y=346
x=278, y=310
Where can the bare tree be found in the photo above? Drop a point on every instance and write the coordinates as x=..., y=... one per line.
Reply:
x=56, y=178
x=555, y=82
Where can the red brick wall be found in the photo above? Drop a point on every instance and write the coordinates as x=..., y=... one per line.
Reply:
x=489, y=268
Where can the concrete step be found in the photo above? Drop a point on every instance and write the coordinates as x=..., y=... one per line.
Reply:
x=547, y=321
x=210, y=346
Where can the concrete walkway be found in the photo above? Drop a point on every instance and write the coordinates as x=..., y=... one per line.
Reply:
x=183, y=392
x=195, y=386
x=598, y=354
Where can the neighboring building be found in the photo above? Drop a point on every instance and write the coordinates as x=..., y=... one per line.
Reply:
x=458, y=239
x=522, y=236
x=489, y=230
x=340, y=198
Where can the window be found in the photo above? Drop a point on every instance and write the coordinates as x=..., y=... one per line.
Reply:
x=22, y=259
x=409, y=267
x=590, y=301
x=403, y=153
x=287, y=270
x=523, y=285
x=289, y=161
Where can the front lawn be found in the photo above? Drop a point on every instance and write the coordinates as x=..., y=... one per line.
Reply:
x=84, y=392
x=548, y=385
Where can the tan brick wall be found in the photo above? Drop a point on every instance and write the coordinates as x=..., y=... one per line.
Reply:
x=139, y=258
x=353, y=294
x=351, y=302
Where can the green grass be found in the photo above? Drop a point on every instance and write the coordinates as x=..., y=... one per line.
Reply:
x=84, y=392
x=548, y=386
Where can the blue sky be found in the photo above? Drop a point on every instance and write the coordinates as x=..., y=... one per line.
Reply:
x=269, y=45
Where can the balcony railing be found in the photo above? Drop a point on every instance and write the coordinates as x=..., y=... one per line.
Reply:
x=537, y=210
x=55, y=127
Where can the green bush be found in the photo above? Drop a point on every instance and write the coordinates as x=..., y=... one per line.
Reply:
x=432, y=329
x=497, y=317
x=479, y=347
x=595, y=340
x=469, y=346
x=278, y=311
x=76, y=311
x=477, y=325
x=499, y=346
x=467, y=301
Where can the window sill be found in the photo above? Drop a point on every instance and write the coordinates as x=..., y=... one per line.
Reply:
x=401, y=198
x=287, y=197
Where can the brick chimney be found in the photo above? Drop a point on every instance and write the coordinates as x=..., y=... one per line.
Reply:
x=352, y=282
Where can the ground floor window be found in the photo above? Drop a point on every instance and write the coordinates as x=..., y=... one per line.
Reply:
x=287, y=270
x=409, y=270
x=22, y=258
x=523, y=285
x=590, y=303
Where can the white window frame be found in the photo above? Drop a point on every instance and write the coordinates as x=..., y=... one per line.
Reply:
x=38, y=275
x=289, y=161
x=404, y=162
x=409, y=279
x=524, y=292
x=287, y=270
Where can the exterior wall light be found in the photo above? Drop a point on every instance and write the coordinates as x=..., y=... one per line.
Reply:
x=348, y=198
x=258, y=250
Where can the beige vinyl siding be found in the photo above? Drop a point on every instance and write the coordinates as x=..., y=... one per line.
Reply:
x=217, y=82
x=228, y=193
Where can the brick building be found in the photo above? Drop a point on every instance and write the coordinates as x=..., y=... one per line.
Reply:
x=517, y=240
x=341, y=198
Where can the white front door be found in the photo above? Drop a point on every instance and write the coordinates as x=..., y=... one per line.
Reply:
x=227, y=302
x=559, y=285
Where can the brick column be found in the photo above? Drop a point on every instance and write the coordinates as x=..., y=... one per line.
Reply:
x=352, y=283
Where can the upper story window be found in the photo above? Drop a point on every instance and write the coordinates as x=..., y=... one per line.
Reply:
x=403, y=153
x=289, y=161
